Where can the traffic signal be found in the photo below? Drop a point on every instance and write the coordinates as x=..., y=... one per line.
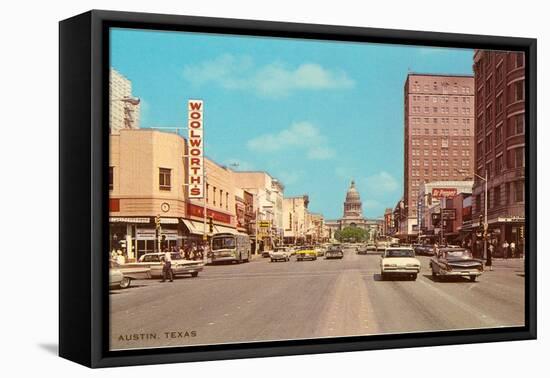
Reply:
x=521, y=232
x=157, y=221
x=211, y=224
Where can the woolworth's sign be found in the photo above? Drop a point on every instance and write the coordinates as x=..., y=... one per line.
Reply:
x=195, y=150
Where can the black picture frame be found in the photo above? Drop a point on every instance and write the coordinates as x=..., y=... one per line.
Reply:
x=83, y=197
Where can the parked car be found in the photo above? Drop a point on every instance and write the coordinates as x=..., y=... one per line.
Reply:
x=120, y=276
x=424, y=249
x=371, y=248
x=180, y=265
x=280, y=254
x=399, y=261
x=306, y=253
x=334, y=252
x=453, y=262
x=320, y=251
x=266, y=252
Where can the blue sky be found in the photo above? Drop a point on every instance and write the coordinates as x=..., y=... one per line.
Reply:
x=314, y=114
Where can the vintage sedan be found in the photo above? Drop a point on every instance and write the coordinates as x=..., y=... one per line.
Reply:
x=455, y=262
x=362, y=249
x=399, y=261
x=306, y=253
x=320, y=250
x=121, y=276
x=334, y=252
x=280, y=254
x=180, y=265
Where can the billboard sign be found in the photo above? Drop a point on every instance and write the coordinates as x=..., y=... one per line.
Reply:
x=195, y=150
x=443, y=192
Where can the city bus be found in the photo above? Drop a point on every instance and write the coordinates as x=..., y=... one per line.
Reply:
x=230, y=247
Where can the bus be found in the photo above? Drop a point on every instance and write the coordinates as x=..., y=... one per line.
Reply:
x=230, y=247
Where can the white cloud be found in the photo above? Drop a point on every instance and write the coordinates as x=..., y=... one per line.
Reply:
x=272, y=80
x=380, y=183
x=301, y=135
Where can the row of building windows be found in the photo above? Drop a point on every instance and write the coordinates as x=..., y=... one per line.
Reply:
x=444, y=86
x=455, y=142
x=440, y=99
x=456, y=132
x=435, y=172
x=515, y=158
x=515, y=126
x=516, y=92
x=502, y=195
x=463, y=153
x=165, y=184
x=444, y=163
x=418, y=121
x=436, y=109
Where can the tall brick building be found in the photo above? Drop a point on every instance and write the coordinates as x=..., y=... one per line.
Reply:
x=439, y=135
x=500, y=143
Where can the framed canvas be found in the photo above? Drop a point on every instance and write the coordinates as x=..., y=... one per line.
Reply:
x=235, y=189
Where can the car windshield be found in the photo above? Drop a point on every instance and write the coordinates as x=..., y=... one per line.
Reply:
x=399, y=253
x=150, y=258
x=223, y=243
x=458, y=254
x=280, y=249
x=305, y=248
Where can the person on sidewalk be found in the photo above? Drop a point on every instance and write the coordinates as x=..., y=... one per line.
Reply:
x=513, y=249
x=489, y=261
x=167, y=267
x=505, y=246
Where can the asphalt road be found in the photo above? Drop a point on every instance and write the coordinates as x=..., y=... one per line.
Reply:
x=261, y=301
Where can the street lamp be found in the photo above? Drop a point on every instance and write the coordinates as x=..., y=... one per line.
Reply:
x=485, y=221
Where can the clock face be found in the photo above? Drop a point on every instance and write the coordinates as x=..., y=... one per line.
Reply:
x=165, y=207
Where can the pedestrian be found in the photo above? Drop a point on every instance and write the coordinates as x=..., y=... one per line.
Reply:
x=206, y=250
x=513, y=249
x=120, y=258
x=505, y=246
x=489, y=261
x=182, y=252
x=167, y=267
x=436, y=250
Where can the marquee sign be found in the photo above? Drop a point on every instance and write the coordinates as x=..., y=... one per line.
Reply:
x=443, y=192
x=195, y=150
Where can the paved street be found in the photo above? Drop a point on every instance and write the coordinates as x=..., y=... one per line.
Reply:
x=291, y=300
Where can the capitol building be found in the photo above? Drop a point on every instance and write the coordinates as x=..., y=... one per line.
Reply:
x=353, y=214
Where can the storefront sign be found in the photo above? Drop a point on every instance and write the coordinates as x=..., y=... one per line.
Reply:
x=195, y=160
x=197, y=211
x=449, y=214
x=128, y=220
x=443, y=192
x=146, y=234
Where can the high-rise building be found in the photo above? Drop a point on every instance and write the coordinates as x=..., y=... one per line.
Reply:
x=439, y=136
x=124, y=107
x=500, y=144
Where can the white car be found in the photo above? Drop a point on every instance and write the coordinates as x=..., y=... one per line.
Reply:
x=280, y=254
x=121, y=277
x=399, y=261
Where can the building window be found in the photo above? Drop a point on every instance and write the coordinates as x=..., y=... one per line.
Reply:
x=489, y=114
x=111, y=177
x=519, y=190
x=519, y=60
x=519, y=158
x=516, y=125
x=499, y=76
x=517, y=91
x=165, y=179
x=226, y=201
x=214, y=195
x=500, y=104
x=496, y=196
x=207, y=192
x=498, y=165
x=221, y=198
x=488, y=144
x=498, y=135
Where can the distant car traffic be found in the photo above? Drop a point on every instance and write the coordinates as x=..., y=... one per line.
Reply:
x=399, y=261
x=280, y=254
x=334, y=252
x=306, y=253
x=424, y=249
x=320, y=250
x=362, y=249
x=455, y=262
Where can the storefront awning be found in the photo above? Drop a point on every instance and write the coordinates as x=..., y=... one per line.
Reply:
x=222, y=229
x=194, y=227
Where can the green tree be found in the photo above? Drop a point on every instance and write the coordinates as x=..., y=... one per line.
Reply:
x=351, y=234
